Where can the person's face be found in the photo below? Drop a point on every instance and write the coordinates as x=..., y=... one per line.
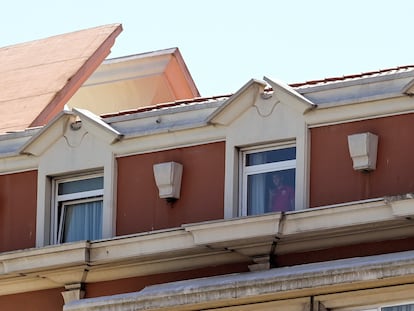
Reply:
x=276, y=180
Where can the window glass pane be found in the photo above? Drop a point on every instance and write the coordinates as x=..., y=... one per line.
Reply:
x=271, y=192
x=270, y=156
x=82, y=221
x=80, y=185
x=409, y=307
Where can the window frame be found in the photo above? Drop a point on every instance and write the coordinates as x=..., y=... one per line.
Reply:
x=60, y=201
x=383, y=306
x=245, y=171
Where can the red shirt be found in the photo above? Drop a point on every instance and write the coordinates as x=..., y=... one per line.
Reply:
x=283, y=199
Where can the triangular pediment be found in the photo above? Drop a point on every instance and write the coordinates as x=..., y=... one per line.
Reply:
x=72, y=126
x=238, y=103
x=254, y=93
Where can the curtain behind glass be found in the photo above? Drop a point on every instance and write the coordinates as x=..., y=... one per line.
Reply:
x=256, y=185
x=399, y=308
x=83, y=221
x=256, y=194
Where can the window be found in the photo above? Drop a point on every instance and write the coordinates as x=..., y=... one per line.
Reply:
x=409, y=307
x=268, y=180
x=405, y=307
x=78, y=208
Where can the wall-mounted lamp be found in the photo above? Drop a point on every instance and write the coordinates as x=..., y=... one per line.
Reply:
x=168, y=179
x=363, y=150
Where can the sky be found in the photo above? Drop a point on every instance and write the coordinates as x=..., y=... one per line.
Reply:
x=225, y=43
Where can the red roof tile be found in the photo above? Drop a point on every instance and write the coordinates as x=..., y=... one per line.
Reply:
x=352, y=76
x=166, y=105
x=268, y=89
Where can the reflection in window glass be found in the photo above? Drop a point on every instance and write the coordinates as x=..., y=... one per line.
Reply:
x=269, y=181
x=271, y=156
x=80, y=185
x=271, y=192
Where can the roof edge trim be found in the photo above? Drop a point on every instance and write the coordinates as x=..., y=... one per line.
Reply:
x=76, y=81
x=287, y=279
x=28, y=146
x=221, y=115
x=281, y=90
x=88, y=116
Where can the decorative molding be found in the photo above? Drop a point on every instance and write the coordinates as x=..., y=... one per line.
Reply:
x=73, y=292
x=363, y=150
x=260, y=263
x=204, y=244
x=168, y=179
x=266, y=107
x=74, y=133
x=280, y=284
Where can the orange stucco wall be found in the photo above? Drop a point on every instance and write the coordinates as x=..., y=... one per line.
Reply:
x=332, y=178
x=18, y=194
x=44, y=300
x=139, y=207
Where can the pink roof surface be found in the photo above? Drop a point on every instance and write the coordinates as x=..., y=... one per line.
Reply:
x=37, y=78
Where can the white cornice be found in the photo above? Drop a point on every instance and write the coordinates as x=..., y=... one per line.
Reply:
x=360, y=111
x=131, y=67
x=257, y=287
x=358, y=90
x=164, y=120
x=350, y=82
x=199, y=245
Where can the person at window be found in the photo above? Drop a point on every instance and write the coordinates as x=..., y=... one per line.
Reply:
x=282, y=196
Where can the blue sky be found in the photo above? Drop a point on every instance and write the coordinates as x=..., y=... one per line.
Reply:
x=227, y=42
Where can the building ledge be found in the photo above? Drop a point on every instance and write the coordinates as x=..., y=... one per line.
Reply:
x=206, y=244
x=289, y=283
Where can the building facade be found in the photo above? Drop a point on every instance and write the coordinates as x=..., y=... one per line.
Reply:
x=276, y=197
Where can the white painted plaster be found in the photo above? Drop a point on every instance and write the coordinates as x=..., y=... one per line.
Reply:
x=76, y=152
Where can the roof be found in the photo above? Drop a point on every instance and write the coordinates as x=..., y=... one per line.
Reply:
x=182, y=102
x=37, y=78
x=300, y=88
x=376, y=73
x=133, y=81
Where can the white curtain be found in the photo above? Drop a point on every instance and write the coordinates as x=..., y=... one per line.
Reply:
x=83, y=221
x=256, y=194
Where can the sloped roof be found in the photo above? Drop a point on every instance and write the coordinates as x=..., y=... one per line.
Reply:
x=300, y=88
x=37, y=78
x=369, y=74
x=176, y=103
x=134, y=81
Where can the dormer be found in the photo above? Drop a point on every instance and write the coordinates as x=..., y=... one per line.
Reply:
x=266, y=139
